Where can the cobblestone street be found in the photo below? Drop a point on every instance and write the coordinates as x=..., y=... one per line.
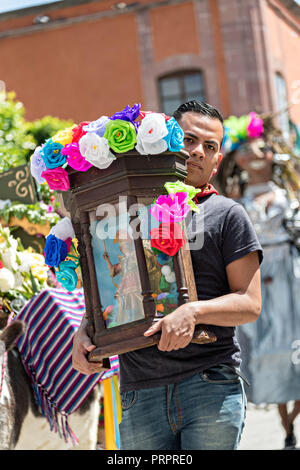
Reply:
x=263, y=430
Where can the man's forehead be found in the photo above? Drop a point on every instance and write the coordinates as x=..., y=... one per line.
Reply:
x=201, y=125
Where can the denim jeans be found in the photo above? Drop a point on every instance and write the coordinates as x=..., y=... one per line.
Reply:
x=204, y=412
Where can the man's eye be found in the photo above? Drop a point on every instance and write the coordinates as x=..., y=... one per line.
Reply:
x=210, y=147
x=187, y=140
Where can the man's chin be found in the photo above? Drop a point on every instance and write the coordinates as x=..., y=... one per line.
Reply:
x=193, y=182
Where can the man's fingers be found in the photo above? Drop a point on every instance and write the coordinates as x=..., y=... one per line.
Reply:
x=88, y=346
x=153, y=328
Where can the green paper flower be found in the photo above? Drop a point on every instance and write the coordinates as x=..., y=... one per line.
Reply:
x=238, y=127
x=178, y=187
x=121, y=135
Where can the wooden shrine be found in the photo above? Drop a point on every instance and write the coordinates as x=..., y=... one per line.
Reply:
x=92, y=201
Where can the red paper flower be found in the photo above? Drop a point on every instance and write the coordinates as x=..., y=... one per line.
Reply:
x=78, y=132
x=168, y=238
x=1, y=265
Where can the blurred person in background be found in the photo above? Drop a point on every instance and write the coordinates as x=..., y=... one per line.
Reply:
x=260, y=171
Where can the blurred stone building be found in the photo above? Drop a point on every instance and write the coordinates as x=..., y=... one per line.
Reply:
x=80, y=59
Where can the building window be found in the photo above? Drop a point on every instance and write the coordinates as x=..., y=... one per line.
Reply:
x=282, y=104
x=178, y=88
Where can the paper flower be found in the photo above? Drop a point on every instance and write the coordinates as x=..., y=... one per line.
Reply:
x=171, y=208
x=57, y=179
x=97, y=126
x=162, y=258
x=40, y=272
x=37, y=165
x=237, y=128
x=74, y=157
x=78, y=131
x=7, y=280
x=55, y=251
x=121, y=135
x=179, y=186
x=63, y=229
x=256, y=126
x=96, y=150
x=151, y=133
x=168, y=238
x=153, y=148
x=175, y=135
x=128, y=114
x=67, y=276
x=51, y=154
x=64, y=137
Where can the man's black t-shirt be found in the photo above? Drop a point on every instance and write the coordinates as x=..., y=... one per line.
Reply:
x=219, y=235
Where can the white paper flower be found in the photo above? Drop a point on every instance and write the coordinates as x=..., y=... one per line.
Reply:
x=166, y=270
x=63, y=229
x=150, y=135
x=153, y=148
x=96, y=150
x=7, y=280
x=171, y=277
x=153, y=128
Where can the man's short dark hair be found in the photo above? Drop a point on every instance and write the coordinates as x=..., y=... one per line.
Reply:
x=199, y=107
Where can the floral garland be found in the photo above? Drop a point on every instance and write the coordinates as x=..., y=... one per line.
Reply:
x=239, y=130
x=96, y=143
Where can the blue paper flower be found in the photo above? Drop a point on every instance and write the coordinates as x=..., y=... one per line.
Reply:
x=51, y=154
x=67, y=275
x=175, y=135
x=162, y=258
x=55, y=251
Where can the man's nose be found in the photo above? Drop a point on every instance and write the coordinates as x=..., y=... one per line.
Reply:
x=197, y=151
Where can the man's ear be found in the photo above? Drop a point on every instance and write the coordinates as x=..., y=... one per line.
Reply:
x=220, y=158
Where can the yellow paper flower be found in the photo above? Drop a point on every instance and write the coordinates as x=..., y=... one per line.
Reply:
x=40, y=272
x=39, y=259
x=64, y=137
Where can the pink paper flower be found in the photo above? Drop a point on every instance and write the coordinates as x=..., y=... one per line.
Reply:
x=255, y=126
x=68, y=242
x=57, y=179
x=75, y=159
x=171, y=208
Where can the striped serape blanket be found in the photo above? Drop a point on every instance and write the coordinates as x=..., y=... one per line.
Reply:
x=51, y=319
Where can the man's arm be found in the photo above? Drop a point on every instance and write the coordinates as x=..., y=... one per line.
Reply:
x=241, y=306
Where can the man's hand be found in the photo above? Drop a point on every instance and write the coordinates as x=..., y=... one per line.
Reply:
x=177, y=329
x=82, y=345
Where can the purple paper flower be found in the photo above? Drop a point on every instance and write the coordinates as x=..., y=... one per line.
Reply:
x=98, y=126
x=171, y=208
x=37, y=166
x=128, y=114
